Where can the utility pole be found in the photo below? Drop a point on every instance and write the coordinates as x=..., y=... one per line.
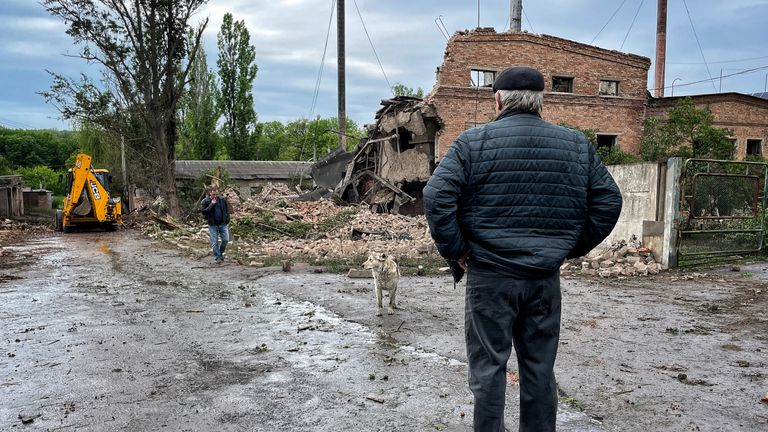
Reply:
x=661, y=48
x=515, y=15
x=341, y=73
x=126, y=189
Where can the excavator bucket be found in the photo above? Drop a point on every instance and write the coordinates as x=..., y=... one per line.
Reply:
x=84, y=207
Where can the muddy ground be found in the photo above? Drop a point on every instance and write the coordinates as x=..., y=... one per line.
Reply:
x=114, y=332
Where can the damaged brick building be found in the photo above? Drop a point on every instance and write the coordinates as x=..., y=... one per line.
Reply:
x=585, y=86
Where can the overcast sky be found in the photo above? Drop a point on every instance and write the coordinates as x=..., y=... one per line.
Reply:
x=289, y=36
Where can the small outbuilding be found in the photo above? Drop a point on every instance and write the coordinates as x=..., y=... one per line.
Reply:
x=37, y=198
x=249, y=176
x=11, y=197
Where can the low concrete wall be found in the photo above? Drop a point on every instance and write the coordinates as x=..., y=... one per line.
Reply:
x=639, y=185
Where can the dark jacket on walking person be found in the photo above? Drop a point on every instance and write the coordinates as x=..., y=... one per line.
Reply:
x=217, y=213
x=216, y=208
x=508, y=203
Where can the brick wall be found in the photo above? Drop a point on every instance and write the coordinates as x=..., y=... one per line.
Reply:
x=460, y=105
x=745, y=116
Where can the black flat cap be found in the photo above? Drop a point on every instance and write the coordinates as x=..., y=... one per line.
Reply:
x=519, y=78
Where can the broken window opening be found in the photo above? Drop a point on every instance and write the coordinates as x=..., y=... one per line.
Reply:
x=755, y=147
x=561, y=84
x=406, y=139
x=608, y=88
x=482, y=78
x=606, y=141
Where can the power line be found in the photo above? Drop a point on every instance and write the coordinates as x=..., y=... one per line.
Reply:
x=15, y=124
x=746, y=71
x=529, y=21
x=631, y=25
x=608, y=22
x=322, y=62
x=699, y=43
x=319, y=80
x=372, y=47
x=721, y=61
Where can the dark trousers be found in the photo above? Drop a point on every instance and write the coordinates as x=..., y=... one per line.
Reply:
x=500, y=311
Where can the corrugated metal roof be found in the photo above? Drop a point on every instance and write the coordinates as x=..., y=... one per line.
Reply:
x=761, y=95
x=243, y=170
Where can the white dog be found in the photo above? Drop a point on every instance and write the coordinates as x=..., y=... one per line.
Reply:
x=386, y=275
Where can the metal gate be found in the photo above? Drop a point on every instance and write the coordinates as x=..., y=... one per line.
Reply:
x=722, y=210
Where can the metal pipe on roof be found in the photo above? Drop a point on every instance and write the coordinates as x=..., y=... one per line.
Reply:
x=661, y=48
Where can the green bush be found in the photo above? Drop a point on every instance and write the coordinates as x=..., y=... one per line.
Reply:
x=42, y=176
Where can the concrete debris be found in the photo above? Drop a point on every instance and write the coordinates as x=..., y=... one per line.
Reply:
x=388, y=169
x=277, y=224
x=621, y=262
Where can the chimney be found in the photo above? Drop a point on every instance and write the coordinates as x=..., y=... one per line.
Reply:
x=515, y=15
x=661, y=48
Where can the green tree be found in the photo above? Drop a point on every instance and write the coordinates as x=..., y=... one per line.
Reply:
x=303, y=140
x=609, y=155
x=28, y=148
x=237, y=71
x=140, y=46
x=43, y=177
x=197, y=135
x=688, y=132
x=400, y=89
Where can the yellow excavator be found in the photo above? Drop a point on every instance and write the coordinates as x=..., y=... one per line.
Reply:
x=88, y=202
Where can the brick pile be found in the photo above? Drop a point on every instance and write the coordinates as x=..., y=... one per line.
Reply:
x=622, y=262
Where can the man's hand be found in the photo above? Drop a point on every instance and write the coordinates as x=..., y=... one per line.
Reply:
x=463, y=262
x=213, y=200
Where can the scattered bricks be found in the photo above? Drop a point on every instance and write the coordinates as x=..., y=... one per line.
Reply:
x=632, y=260
x=641, y=266
x=629, y=271
x=654, y=269
x=606, y=264
x=566, y=265
x=589, y=272
x=584, y=266
x=256, y=264
x=605, y=273
x=622, y=252
x=631, y=251
x=607, y=256
x=595, y=264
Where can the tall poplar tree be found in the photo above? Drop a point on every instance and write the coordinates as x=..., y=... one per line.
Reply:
x=237, y=70
x=140, y=45
x=199, y=112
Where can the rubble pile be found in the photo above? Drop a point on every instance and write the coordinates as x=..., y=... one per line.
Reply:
x=401, y=236
x=331, y=231
x=621, y=262
x=10, y=230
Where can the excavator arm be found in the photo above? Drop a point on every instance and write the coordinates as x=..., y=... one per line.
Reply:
x=87, y=199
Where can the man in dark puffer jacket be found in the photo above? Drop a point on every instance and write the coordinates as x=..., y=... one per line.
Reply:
x=507, y=204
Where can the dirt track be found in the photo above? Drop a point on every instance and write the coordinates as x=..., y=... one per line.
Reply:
x=111, y=331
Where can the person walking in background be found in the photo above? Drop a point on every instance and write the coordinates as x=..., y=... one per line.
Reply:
x=507, y=204
x=216, y=208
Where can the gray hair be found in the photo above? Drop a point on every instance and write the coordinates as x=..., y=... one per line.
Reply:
x=522, y=100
